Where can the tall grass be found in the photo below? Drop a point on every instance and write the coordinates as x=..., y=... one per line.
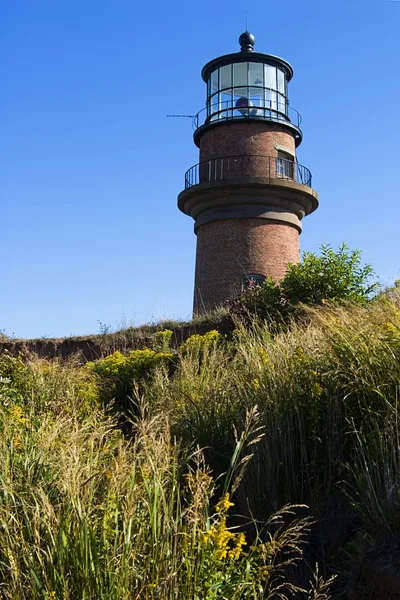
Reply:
x=327, y=390
x=88, y=514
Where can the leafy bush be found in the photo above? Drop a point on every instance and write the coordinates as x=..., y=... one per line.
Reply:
x=118, y=373
x=201, y=343
x=330, y=277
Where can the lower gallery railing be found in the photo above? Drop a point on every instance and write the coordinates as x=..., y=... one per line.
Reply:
x=230, y=167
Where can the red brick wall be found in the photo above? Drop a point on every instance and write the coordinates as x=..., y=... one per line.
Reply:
x=229, y=249
x=249, y=137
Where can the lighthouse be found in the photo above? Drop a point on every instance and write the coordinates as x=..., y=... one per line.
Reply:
x=247, y=194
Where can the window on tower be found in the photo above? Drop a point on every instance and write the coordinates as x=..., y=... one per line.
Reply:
x=252, y=279
x=285, y=165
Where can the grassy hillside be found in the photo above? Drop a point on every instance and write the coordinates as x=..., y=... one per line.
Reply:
x=162, y=473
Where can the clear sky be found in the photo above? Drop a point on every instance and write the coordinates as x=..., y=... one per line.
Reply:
x=90, y=167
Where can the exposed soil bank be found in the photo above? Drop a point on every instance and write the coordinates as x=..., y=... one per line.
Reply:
x=95, y=347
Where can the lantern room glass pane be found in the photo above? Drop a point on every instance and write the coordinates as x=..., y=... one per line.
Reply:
x=282, y=104
x=256, y=74
x=241, y=102
x=270, y=100
x=226, y=99
x=256, y=96
x=240, y=74
x=214, y=81
x=213, y=104
x=225, y=77
x=240, y=93
x=281, y=81
x=270, y=77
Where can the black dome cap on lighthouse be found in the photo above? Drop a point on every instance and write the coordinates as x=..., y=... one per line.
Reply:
x=246, y=53
x=246, y=41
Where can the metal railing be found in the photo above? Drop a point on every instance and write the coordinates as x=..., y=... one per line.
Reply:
x=268, y=111
x=253, y=165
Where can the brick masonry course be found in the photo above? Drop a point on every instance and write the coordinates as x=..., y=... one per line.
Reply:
x=248, y=138
x=230, y=249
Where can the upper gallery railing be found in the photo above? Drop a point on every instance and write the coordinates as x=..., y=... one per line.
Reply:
x=267, y=111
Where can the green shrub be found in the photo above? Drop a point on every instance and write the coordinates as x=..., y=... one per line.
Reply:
x=162, y=340
x=201, y=343
x=119, y=373
x=330, y=277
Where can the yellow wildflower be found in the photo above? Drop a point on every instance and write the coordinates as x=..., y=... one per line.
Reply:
x=220, y=536
x=389, y=327
x=255, y=384
x=265, y=572
x=224, y=504
x=18, y=444
x=263, y=355
x=201, y=342
x=17, y=413
x=240, y=540
x=317, y=390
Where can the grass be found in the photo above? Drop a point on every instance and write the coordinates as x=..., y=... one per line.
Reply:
x=307, y=416
x=327, y=390
x=88, y=513
x=109, y=339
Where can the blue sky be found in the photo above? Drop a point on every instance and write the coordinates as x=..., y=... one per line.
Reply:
x=90, y=167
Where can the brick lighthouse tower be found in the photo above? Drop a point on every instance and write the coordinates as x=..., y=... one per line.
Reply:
x=248, y=194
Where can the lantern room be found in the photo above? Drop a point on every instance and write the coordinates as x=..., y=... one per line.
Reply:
x=247, y=85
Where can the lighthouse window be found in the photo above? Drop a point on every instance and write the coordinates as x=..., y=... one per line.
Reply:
x=252, y=279
x=284, y=165
x=256, y=96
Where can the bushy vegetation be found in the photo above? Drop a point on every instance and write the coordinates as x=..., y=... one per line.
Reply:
x=249, y=460
x=331, y=276
x=87, y=513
